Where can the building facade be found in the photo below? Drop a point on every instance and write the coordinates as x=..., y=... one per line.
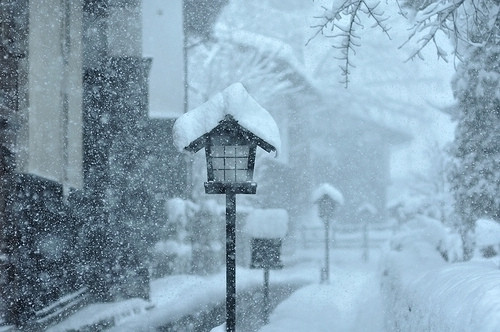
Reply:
x=83, y=168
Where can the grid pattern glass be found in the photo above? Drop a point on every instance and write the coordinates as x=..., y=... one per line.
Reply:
x=230, y=163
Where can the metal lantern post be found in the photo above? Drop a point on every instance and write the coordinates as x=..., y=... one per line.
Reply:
x=327, y=198
x=326, y=206
x=230, y=149
x=266, y=228
x=266, y=255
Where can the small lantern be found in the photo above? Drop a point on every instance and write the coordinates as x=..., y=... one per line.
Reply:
x=328, y=199
x=230, y=152
x=266, y=254
x=229, y=126
x=266, y=228
x=326, y=207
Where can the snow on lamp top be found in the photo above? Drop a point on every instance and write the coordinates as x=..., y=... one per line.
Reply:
x=326, y=189
x=267, y=224
x=234, y=101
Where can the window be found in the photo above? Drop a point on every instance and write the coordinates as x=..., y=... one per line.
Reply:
x=230, y=163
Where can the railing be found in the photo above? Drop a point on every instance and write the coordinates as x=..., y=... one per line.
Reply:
x=372, y=236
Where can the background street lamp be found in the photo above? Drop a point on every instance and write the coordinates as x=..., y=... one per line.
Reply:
x=229, y=126
x=327, y=198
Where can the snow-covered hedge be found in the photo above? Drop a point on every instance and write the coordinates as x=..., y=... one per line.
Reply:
x=423, y=292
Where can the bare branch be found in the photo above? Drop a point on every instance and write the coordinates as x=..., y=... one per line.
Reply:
x=350, y=12
x=464, y=22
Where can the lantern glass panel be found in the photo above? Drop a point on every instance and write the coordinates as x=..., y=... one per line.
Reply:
x=241, y=175
x=217, y=151
x=230, y=163
x=218, y=163
x=219, y=175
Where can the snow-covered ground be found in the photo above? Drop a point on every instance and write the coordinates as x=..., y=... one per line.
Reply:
x=346, y=302
x=349, y=302
x=404, y=286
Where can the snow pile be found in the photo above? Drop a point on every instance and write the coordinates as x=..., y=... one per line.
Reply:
x=328, y=190
x=267, y=223
x=102, y=314
x=487, y=233
x=424, y=231
x=220, y=328
x=234, y=101
x=425, y=293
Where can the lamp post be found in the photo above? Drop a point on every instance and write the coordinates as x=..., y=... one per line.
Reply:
x=327, y=198
x=229, y=126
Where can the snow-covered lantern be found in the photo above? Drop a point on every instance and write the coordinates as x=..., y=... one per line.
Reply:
x=229, y=126
x=328, y=198
x=267, y=228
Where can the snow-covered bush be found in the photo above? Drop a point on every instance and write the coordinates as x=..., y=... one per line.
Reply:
x=207, y=234
x=487, y=238
x=423, y=292
x=431, y=232
x=172, y=253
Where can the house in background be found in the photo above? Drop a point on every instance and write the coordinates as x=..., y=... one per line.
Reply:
x=328, y=134
x=84, y=170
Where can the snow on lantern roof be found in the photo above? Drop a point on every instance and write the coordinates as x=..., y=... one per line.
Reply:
x=267, y=223
x=328, y=190
x=367, y=207
x=234, y=101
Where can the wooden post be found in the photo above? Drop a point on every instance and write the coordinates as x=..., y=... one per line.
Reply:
x=365, y=241
x=327, y=250
x=230, y=261
x=266, y=295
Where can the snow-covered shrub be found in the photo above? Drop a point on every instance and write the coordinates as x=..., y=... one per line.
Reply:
x=423, y=292
x=172, y=253
x=207, y=234
x=433, y=233
x=487, y=238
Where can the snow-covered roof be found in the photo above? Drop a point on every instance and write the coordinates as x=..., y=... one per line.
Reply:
x=328, y=190
x=267, y=45
x=234, y=101
x=267, y=223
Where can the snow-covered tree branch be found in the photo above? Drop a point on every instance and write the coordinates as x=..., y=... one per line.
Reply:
x=341, y=22
x=465, y=22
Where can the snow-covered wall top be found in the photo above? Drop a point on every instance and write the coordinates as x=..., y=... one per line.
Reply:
x=234, y=101
x=328, y=190
x=267, y=223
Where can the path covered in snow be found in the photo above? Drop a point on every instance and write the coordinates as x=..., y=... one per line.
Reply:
x=350, y=302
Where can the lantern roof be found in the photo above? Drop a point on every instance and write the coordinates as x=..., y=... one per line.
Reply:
x=329, y=191
x=267, y=223
x=233, y=103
